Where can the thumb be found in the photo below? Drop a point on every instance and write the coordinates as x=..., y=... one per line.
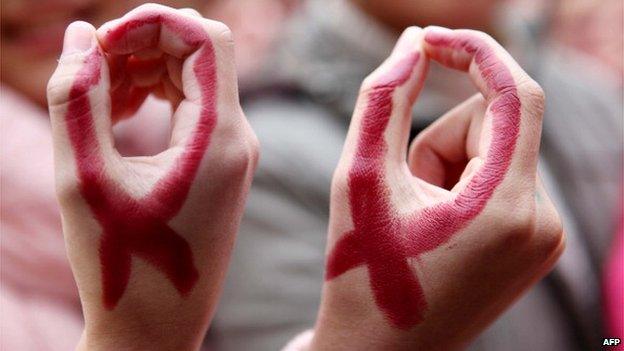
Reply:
x=78, y=45
x=79, y=103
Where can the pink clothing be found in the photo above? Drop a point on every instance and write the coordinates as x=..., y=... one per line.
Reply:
x=613, y=284
x=40, y=305
x=40, y=308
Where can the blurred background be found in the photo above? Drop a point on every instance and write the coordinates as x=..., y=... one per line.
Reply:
x=300, y=66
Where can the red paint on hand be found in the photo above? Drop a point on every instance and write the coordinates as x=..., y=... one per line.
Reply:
x=133, y=226
x=382, y=240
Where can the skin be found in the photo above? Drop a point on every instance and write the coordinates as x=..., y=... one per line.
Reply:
x=149, y=238
x=418, y=257
x=32, y=35
x=397, y=293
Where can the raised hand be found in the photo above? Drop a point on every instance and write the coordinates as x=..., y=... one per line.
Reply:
x=149, y=238
x=424, y=254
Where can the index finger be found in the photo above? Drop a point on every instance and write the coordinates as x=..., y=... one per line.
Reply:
x=208, y=78
x=515, y=101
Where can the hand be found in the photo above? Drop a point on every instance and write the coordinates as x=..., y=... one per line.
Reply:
x=424, y=254
x=149, y=238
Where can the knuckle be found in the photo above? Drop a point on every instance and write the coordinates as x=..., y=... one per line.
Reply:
x=253, y=149
x=482, y=36
x=517, y=224
x=532, y=93
x=419, y=151
x=236, y=162
x=58, y=88
x=148, y=6
x=340, y=179
x=191, y=11
x=551, y=237
x=66, y=191
x=242, y=156
x=371, y=85
x=222, y=33
x=368, y=85
x=419, y=143
x=239, y=156
x=66, y=83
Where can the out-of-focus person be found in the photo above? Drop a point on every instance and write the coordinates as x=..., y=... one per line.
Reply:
x=599, y=40
x=300, y=107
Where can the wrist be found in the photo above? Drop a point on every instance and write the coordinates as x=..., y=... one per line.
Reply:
x=136, y=326
x=346, y=324
x=163, y=336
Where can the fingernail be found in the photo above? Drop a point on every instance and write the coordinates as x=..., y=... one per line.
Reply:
x=438, y=29
x=78, y=38
x=434, y=34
